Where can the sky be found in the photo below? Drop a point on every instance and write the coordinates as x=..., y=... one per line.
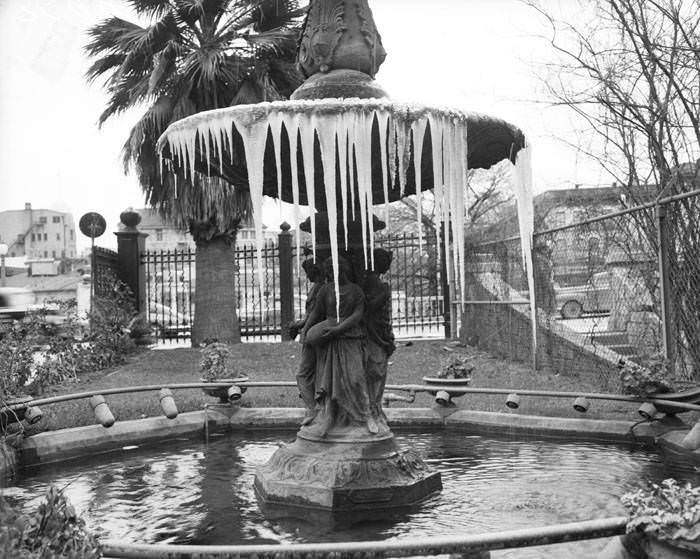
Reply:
x=475, y=55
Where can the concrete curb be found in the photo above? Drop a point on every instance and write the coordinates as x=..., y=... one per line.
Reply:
x=67, y=444
x=541, y=426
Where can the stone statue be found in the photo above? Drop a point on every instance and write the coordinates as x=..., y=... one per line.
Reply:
x=380, y=337
x=307, y=366
x=342, y=396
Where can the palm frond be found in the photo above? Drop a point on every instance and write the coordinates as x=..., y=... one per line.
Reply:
x=104, y=65
x=151, y=8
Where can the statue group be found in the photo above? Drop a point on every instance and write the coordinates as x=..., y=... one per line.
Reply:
x=346, y=345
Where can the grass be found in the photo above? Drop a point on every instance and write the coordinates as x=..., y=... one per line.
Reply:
x=277, y=361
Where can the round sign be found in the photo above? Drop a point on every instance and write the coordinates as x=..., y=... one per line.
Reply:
x=92, y=225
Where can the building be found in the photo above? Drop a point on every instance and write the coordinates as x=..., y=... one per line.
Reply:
x=165, y=236
x=38, y=233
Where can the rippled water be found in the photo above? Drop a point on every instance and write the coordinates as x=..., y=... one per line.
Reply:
x=189, y=492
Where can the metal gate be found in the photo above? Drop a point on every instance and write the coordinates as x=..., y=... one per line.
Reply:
x=414, y=276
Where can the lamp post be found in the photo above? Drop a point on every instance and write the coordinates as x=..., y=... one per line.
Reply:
x=3, y=252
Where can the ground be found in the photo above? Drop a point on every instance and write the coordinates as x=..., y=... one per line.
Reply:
x=277, y=362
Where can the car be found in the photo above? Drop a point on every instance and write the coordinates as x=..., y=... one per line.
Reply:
x=16, y=303
x=594, y=296
x=167, y=322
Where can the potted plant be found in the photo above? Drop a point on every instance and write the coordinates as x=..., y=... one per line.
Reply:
x=456, y=373
x=666, y=518
x=214, y=367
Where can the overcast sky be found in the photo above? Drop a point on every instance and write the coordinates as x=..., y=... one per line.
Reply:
x=476, y=55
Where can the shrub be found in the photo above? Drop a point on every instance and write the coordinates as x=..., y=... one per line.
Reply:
x=36, y=354
x=669, y=511
x=456, y=368
x=644, y=381
x=53, y=531
x=214, y=362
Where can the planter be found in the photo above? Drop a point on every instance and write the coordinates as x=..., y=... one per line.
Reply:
x=221, y=391
x=443, y=395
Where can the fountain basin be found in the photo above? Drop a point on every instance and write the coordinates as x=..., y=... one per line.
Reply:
x=183, y=491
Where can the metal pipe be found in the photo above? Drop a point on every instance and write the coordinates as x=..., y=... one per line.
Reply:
x=401, y=387
x=439, y=545
x=492, y=302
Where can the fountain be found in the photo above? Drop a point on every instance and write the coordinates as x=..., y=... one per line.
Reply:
x=341, y=147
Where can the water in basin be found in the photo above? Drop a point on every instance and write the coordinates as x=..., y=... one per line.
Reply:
x=191, y=492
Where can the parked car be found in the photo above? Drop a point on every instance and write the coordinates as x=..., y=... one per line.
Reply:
x=167, y=322
x=16, y=303
x=594, y=296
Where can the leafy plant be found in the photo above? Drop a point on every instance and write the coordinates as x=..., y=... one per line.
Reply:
x=456, y=368
x=36, y=354
x=645, y=381
x=214, y=362
x=669, y=511
x=53, y=531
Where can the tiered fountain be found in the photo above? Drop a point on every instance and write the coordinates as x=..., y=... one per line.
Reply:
x=341, y=147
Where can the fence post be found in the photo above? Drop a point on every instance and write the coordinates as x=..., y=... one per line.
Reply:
x=130, y=244
x=286, y=280
x=665, y=283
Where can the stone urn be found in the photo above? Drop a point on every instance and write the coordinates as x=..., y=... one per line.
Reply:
x=225, y=394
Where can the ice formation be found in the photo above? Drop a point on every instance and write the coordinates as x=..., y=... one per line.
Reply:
x=344, y=129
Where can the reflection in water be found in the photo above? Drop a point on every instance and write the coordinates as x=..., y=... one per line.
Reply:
x=189, y=492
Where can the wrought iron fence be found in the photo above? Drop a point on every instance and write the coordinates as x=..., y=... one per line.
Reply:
x=624, y=286
x=417, y=302
x=106, y=270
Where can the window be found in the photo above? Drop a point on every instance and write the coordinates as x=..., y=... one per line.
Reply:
x=33, y=237
x=58, y=236
x=46, y=254
x=42, y=219
x=46, y=236
x=159, y=234
x=71, y=234
x=56, y=219
x=53, y=253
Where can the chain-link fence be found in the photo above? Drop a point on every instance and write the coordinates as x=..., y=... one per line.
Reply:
x=624, y=286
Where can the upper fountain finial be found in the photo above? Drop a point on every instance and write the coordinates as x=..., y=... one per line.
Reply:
x=340, y=51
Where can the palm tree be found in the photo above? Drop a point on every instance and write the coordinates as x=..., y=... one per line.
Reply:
x=196, y=55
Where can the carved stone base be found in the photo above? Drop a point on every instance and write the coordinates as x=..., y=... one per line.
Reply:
x=345, y=474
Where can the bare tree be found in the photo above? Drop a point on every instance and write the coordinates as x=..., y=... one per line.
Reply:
x=632, y=75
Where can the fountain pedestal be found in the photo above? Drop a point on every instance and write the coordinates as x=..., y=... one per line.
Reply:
x=344, y=472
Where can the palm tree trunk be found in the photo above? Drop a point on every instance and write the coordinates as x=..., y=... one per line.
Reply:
x=215, y=315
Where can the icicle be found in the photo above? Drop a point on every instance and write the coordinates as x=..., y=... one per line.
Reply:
x=327, y=136
x=204, y=135
x=306, y=127
x=383, y=121
x=291, y=123
x=418, y=129
x=275, y=121
x=350, y=122
x=342, y=135
x=436, y=143
x=403, y=149
x=522, y=184
x=360, y=146
x=254, y=138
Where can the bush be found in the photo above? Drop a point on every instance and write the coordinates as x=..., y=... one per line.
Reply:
x=36, y=355
x=667, y=512
x=53, y=531
x=645, y=381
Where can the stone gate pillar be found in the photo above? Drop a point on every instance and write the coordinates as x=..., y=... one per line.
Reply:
x=130, y=244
